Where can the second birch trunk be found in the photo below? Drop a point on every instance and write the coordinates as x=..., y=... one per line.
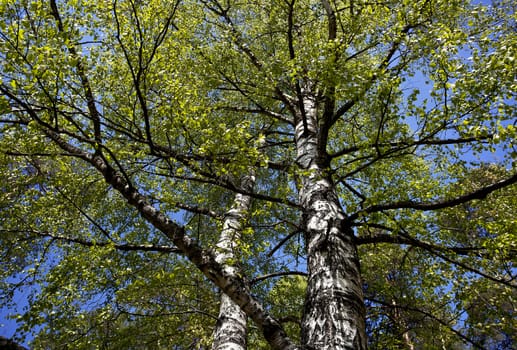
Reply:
x=230, y=330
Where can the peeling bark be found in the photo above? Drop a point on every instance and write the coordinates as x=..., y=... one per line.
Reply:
x=334, y=312
x=230, y=330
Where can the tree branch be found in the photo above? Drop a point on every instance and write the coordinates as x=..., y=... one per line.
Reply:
x=118, y=246
x=413, y=143
x=277, y=274
x=90, y=100
x=436, y=250
x=431, y=316
x=397, y=239
x=281, y=243
x=438, y=204
x=380, y=68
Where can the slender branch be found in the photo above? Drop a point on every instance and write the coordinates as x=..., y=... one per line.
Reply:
x=380, y=68
x=118, y=246
x=343, y=110
x=436, y=250
x=439, y=204
x=290, y=26
x=372, y=159
x=198, y=210
x=397, y=239
x=277, y=274
x=431, y=316
x=472, y=269
x=162, y=314
x=354, y=191
x=281, y=243
x=237, y=39
x=90, y=100
x=84, y=213
x=136, y=74
x=259, y=110
x=37, y=154
x=209, y=178
x=413, y=143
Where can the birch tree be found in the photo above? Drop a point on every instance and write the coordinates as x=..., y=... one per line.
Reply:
x=224, y=174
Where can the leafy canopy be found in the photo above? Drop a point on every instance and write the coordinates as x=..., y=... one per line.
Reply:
x=183, y=99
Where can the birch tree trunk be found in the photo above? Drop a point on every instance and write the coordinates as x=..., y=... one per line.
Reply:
x=334, y=312
x=230, y=329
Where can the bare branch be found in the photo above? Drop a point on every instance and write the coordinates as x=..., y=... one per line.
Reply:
x=191, y=310
x=260, y=110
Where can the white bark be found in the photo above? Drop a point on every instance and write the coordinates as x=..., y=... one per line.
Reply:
x=334, y=315
x=230, y=330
